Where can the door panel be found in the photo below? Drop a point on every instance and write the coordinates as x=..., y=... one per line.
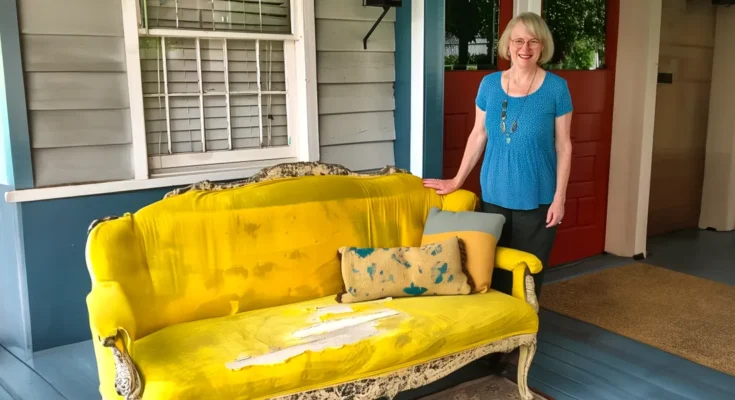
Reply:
x=582, y=232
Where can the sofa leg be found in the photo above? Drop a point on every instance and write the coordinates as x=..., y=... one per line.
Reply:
x=528, y=351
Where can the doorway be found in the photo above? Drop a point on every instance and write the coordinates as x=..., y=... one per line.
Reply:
x=585, y=33
x=682, y=114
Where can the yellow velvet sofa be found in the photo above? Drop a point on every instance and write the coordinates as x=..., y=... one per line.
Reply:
x=199, y=295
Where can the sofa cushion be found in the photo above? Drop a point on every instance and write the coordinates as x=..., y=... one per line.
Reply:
x=429, y=270
x=189, y=360
x=479, y=233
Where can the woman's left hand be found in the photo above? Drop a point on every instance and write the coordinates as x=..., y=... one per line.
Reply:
x=555, y=214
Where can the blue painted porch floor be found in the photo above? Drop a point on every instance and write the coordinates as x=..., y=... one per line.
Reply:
x=575, y=360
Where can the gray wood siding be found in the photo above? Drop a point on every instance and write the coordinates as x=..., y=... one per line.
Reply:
x=355, y=86
x=76, y=87
x=78, y=106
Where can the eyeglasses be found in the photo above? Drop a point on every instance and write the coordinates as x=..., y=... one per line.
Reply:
x=532, y=44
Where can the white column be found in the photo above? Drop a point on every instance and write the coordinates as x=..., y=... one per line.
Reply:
x=520, y=6
x=632, y=130
x=135, y=89
x=718, y=192
x=305, y=87
x=417, y=88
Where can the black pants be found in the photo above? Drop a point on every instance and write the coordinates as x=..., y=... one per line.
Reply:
x=525, y=231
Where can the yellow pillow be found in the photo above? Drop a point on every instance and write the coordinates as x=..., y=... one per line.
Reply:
x=479, y=233
x=375, y=273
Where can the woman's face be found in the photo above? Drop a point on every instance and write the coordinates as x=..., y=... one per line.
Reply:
x=525, y=49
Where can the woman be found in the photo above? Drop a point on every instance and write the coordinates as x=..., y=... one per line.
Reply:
x=522, y=122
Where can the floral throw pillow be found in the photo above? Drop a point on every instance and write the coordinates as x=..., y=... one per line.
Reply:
x=434, y=269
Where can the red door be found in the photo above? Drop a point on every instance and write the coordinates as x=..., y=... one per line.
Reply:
x=582, y=233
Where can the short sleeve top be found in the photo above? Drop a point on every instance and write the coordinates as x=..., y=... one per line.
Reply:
x=519, y=168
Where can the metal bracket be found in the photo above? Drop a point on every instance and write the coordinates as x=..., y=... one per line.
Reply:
x=375, y=25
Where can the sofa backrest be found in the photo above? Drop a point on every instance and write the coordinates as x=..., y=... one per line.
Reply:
x=205, y=254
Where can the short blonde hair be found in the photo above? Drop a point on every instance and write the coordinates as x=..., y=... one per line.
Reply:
x=537, y=27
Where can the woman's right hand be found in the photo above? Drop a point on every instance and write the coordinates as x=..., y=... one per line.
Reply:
x=442, y=186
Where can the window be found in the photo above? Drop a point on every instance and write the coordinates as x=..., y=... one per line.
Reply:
x=471, y=40
x=221, y=84
x=261, y=16
x=579, y=30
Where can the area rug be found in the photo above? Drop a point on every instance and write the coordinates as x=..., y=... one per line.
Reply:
x=489, y=388
x=678, y=313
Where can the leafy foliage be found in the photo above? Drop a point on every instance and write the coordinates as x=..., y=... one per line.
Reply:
x=578, y=27
x=465, y=19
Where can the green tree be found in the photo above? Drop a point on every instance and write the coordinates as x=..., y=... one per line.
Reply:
x=490, y=10
x=464, y=20
x=578, y=27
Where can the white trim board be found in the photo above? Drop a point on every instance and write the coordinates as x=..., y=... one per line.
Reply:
x=217, y=34
x=50, y=193
x=634, y=112
x=306, y=82
x=135, y=88
x=417, y=88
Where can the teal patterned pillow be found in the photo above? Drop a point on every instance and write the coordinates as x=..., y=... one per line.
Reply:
x=430, y=270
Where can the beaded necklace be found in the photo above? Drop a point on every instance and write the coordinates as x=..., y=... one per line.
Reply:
x=504, y=111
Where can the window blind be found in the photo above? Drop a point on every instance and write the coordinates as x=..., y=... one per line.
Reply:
x=265, y=16
x=219, y=83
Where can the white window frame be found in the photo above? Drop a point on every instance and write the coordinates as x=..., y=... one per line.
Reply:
x=300, y=70
x=302, y=112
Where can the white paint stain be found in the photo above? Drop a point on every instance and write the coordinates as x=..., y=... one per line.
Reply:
x=322, y=311
x=341, y=309
x=335, y=340
x=338, y=324
x=324, y=335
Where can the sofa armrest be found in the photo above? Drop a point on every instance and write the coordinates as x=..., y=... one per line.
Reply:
x=460, y=200
x=524, y=287
x=113, y=324
x=509, y=259
x=110, y=311
x=521, y=265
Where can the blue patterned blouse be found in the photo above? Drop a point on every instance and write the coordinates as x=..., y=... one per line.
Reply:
x=519, y=168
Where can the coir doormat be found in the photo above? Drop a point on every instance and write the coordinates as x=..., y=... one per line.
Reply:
x=674, y=312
